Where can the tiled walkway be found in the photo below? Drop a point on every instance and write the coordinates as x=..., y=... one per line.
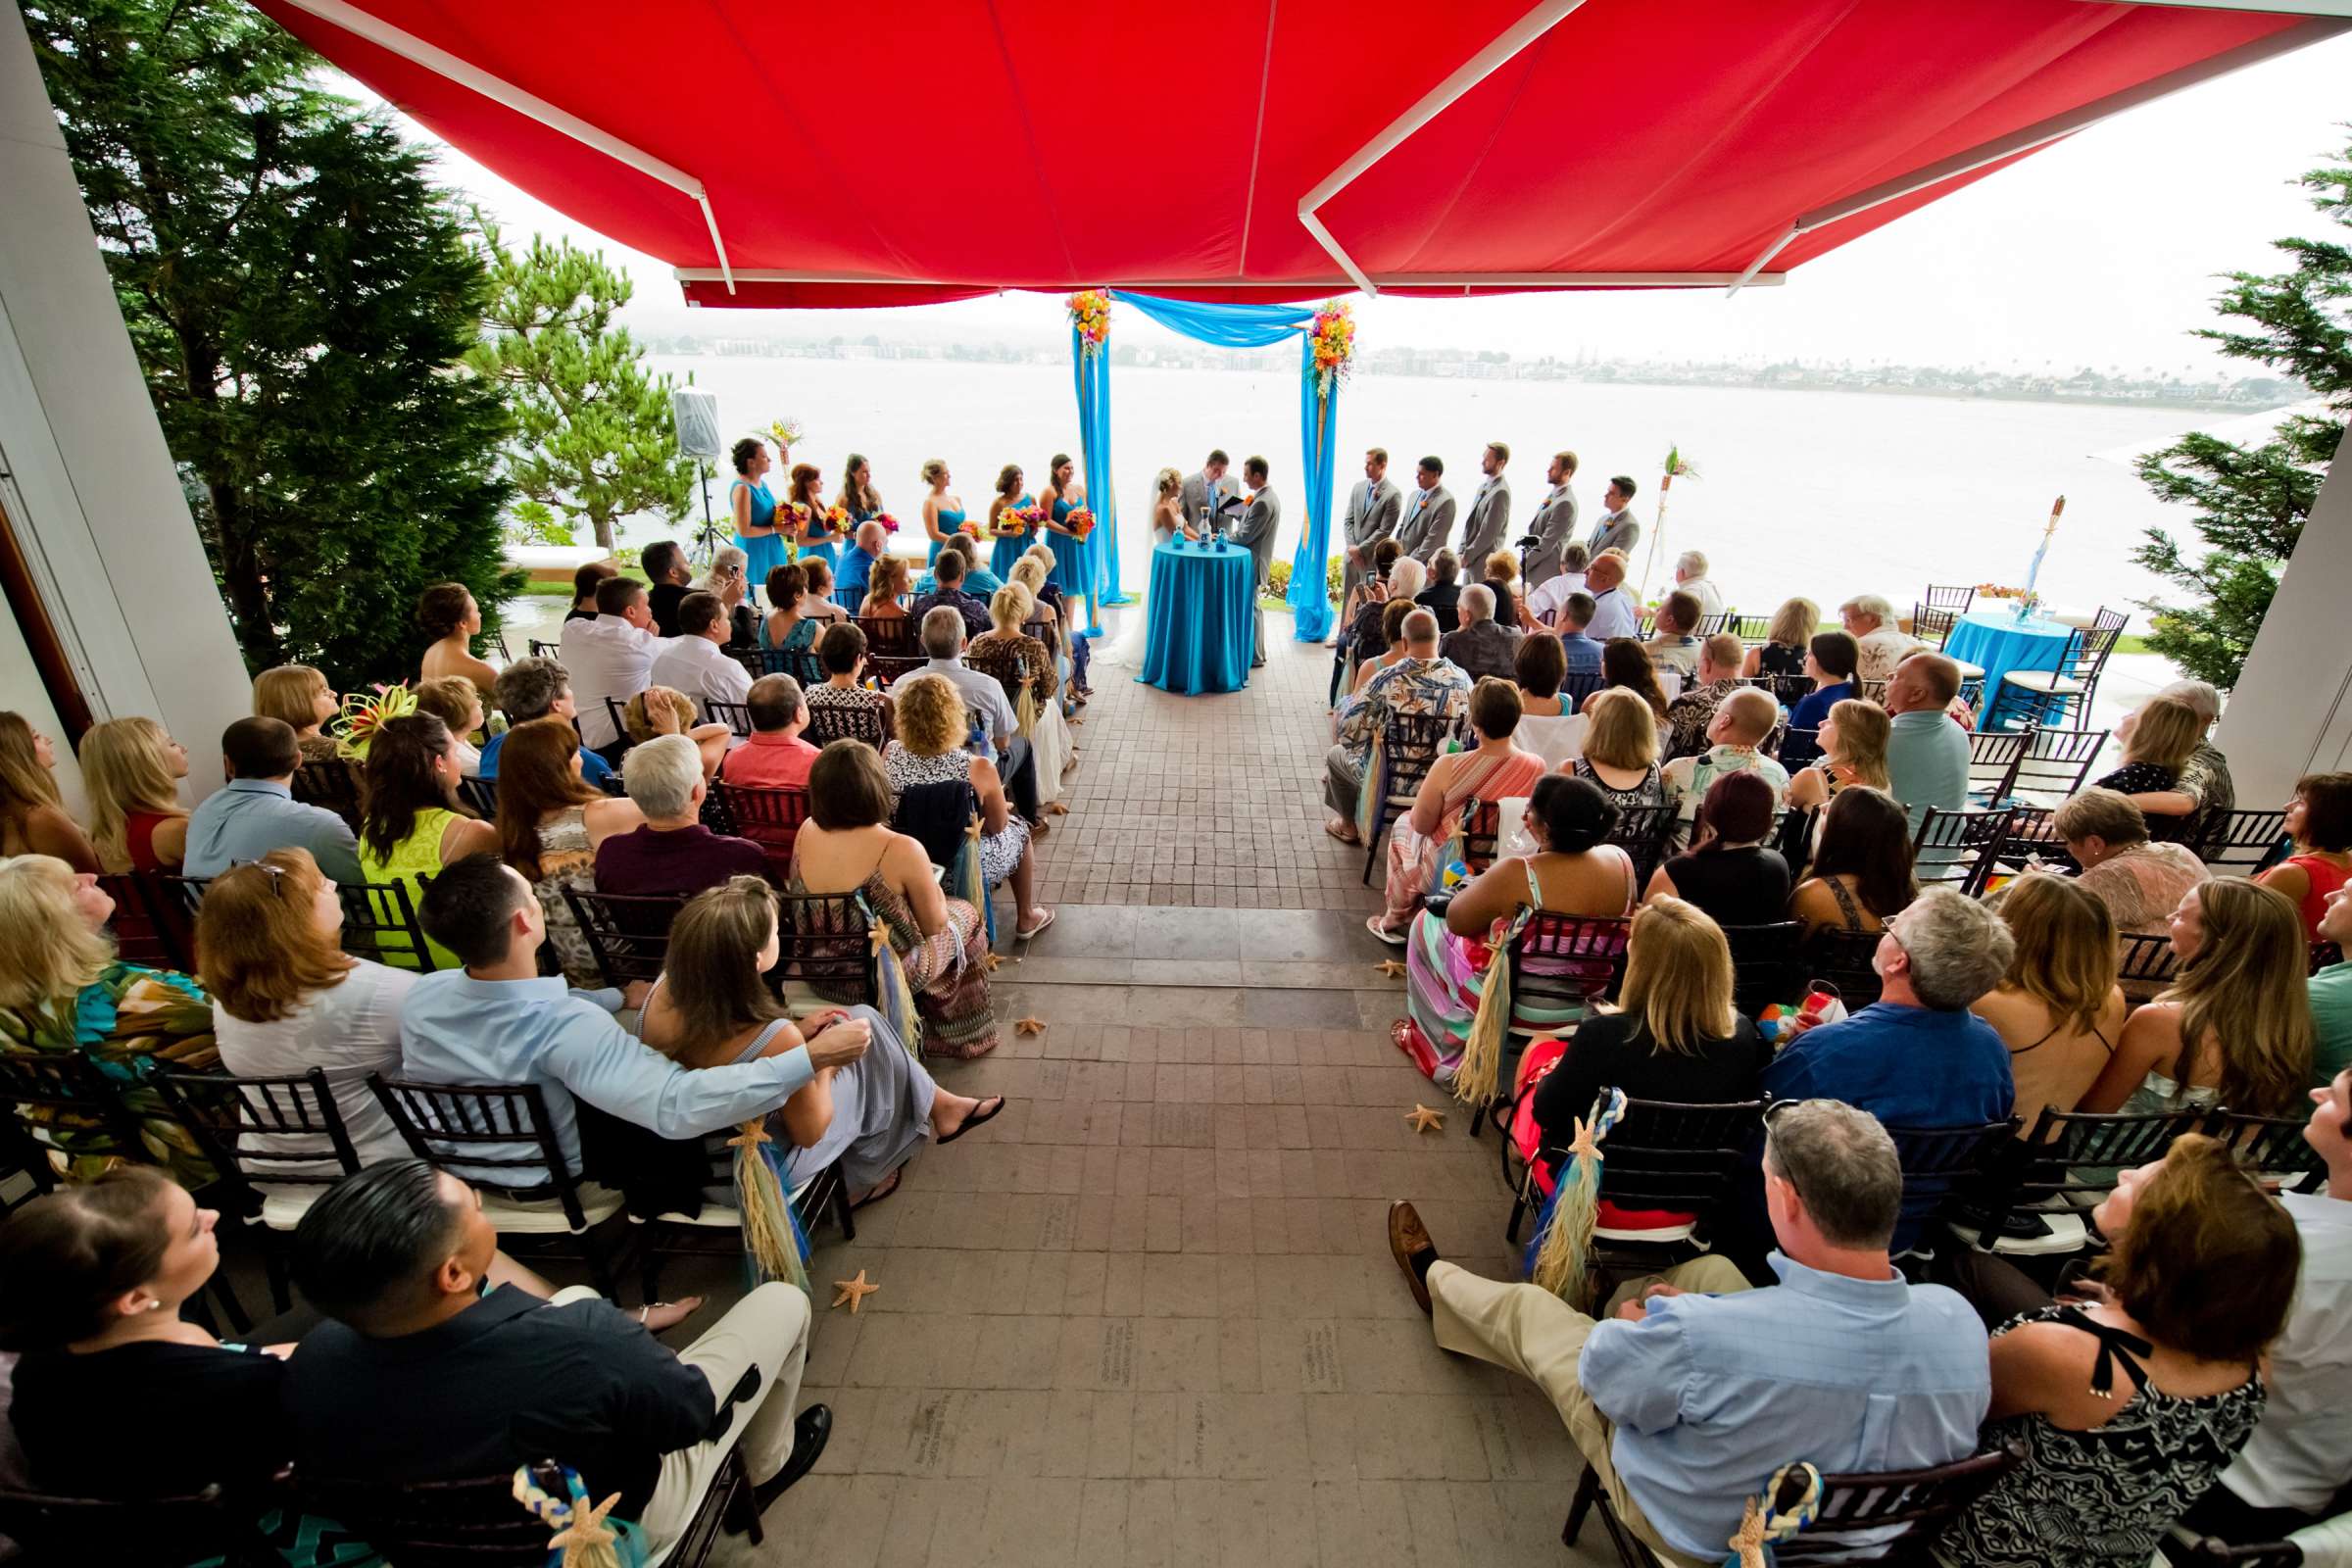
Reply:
x=1148, y=1316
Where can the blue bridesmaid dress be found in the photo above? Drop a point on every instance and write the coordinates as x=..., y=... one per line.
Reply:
x=1073, y=559
x=1008, y=551
x=949, y=522
x=765, y=553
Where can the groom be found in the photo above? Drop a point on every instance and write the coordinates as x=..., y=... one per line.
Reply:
x=1195, y=494
x=1255, y=534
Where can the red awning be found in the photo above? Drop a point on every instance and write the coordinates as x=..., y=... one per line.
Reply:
x=924, y=150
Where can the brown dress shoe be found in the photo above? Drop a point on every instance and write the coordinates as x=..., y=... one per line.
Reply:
x=1409, y=1240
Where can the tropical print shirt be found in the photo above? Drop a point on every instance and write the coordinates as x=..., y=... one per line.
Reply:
x=1410, y=686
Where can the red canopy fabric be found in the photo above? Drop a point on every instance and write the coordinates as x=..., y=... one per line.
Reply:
x=931, y=150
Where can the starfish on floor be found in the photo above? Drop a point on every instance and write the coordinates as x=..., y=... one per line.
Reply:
x=1424, y=1120
x=1391, y=966
x=1029, y=1026
x=853, y=1291
x=991, y=960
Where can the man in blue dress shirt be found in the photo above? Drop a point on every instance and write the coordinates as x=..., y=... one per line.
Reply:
x=256, y=812
x=1684, y=1404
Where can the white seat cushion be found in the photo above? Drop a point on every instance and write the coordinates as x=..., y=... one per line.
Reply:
x=2047, y=681
x=545, y=1216
x=2062, y=1233
x=1664, y=1233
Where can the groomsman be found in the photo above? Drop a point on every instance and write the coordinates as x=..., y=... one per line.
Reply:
x=1372, y=510
x=1195, y=494
x=1255, y=534
x=1428, y=513
x=1490, y=512
x=1617, y=530
x=1554, y=524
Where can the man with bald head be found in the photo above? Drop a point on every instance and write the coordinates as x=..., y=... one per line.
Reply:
x=1422, y=682
x=1614, y=612
x=857, y=564
x=1927, y=753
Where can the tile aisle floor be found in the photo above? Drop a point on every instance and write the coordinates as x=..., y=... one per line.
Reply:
x=1147, y=1317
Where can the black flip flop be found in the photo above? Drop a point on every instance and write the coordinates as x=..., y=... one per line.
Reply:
x=882, y=1189
x=980, y=1114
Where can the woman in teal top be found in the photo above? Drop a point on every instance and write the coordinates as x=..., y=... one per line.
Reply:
x=817, y=538
x=784, y=629
x=1073, y=557
x=754, y=507
x=943, y=513
x=1007, y=550
x=412, y=825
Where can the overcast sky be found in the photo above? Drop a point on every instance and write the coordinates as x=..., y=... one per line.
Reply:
x=2098, y=251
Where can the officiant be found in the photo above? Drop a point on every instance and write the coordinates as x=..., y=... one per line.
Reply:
x=1260, y=519
x=1210, y=491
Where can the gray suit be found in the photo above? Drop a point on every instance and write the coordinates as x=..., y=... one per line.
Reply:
x=1193, y=496
x=1483, y=530
x=1554, y=526
x=1372, y=513
x=1615, y=531
x=1261, y=520
x=1423, y=532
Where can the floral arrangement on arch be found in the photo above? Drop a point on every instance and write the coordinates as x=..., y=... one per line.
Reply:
x=786, y=434
x=363, y=714
x=1090, y=317
x=1015, y=520
x=1332, y=337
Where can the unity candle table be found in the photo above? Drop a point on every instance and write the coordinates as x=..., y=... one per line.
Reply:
x=1199, y=632
x=1997, y=642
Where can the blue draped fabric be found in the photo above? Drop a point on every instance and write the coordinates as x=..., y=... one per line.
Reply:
x=1311, y=569
x=1201, y=603
x=1092, y=374
x=1232, y=326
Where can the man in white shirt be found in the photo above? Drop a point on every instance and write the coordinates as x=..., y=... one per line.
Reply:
x=1690, y=575
x=611, y=655
x=1870, y=620
x=696, y=660
x=1614, y=614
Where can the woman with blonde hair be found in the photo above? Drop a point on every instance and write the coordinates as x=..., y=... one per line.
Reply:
x=63, y=990
x=2233, y=1028
x=1787, y=640
x=301, y=697
x=1853, y=751
x=943, y=513
x=1405, y=580
x=32, y=815
x=412, y=824
x=666, y=710
x=886, y=589
x=1007, y=649
x=2158, y=740
x=550, y=822
x=2058, y=1010
x=1502, y=575
x=1167, y=509
x=933, y=727
x=1618, y=750
x=132, y=769
x=456, y=703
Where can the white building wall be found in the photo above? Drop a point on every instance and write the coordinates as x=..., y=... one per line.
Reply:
x=2291, y=712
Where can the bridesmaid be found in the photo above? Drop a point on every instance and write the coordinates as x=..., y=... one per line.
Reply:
x=1008, y=494
x=817, y=539
x=1073, y=557
x=943, y=513
x=756, y=532
x=859, y=497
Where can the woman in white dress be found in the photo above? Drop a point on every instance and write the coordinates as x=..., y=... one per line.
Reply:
x=1167, y=513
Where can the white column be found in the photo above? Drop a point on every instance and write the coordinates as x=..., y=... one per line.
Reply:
x=2291, y=712
x=97, y=505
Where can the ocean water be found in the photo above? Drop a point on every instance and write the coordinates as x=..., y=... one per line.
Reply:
x=1824, y=494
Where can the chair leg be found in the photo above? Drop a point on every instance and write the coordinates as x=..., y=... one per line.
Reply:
x=273, y=1262
x=1587, y=1487
x=649, y=1264
x=841, y=1206
x=1511, y=1232
x=740, y=1514
x=1372, y=848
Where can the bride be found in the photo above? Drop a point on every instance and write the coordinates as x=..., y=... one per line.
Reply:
x=1167, y=516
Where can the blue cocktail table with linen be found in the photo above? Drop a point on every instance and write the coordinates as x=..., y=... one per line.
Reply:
x=1997, y=642
x=1199, y=633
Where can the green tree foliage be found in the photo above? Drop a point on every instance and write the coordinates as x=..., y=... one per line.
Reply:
x=594, y=436
x=2252, y=502
x=299, y=297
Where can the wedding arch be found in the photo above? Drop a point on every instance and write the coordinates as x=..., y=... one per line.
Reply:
x=1326, y=336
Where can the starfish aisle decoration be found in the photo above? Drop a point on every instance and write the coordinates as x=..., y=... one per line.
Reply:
x=1747, y=1542
x=1392, y=967
x=853, y=1291
x=1029, y=1026
x=584, y=1539
x=1426, y=1120
x=991, y=960
x=1584, y=1143
x=752, y=1136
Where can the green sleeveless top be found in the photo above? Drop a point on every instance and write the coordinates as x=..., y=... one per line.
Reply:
x=418, y=855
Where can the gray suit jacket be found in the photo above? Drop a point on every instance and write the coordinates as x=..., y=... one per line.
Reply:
x=1483, y=530
x=1372, y=519
x=1618, y=535
x=1261, y=520
x=1423, y=533
x=1554, y=528
x=1193, y=495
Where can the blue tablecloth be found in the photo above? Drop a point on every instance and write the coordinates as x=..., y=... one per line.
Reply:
x=1997, y=641
x=1200, y=634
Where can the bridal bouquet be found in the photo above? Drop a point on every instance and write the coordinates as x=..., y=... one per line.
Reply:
x=1080, y=521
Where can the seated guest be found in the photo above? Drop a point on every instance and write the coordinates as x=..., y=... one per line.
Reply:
x=1070, y=647
x=2141, y=883
x=660, y=710
x=256, y=812
x=1880, y=643
x=1614, y=612
x=549, y=825
x=301, y=696
x=667, y=570
x=1503, y=576
x=1550, y=595
x=1494, y=769
x=1010, y=649
x=979, y=577
x=1442, y=598
x=1478, y=644
x=1917, y=1057
x=32, y=813
x=1729, y=874
x=1861, y=873
x=2300, y=1455
x=452, y=619
x=2058, y=1009
x=1674, y=645
x=848, y=846
x=1582, y=653
x=287, y=999
x=886, y=590
x=728, y=582
x=1852, y=747
x=929, y=748
x=63, y=989
x=711, y=1007
x=842, y=651
x=871, y=543
x=2158, y=740
x=1546, y=727
x=1404, y=580
x=130, y=770
x=1683, y=1400
x=411, y=822
x=1573, y=870
x=816, y=600
x=670, y=852
x=1420, y=683
x=1625, y=664
x=2319, y=819
x=1788, y=641
x=426, y=1373
x=2204, y=791
x=1736, y=734
x=788, y=628
x=948, y=591
x=1618, y=750
x=2233, y=1028
x=1830, y=665
x=2129, y=1407
x=1392, y=615
x=695, y=661
x=535, y=688
x=775, y=758
x=1926, y=753
x=458, y=704
x=986, y=705
x=1690, y=577
x=611, y=656
x=584, y=583
x=2331, y=994
x=1718, y=676
x=1372, y=587
x=496, y=1021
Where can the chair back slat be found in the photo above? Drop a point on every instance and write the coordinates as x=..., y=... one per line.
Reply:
x=496, y=1136
x=380, y=922
x=2055, y=765
x=1955, y=849
x=334, y=785
x=145, y=1532
x=1882, y=1510
x=2066, y=1162
x=480, y=796
x=892, y=636
x=823, y=940
x=1957, y=600
x=1942, y=1164
x=2145, y=958
x=1577, y=686
x=737, y=717
x=1842, y=959
x=2272, y=1147
x=278, y=1129
x=1764, y=964
x=1786, y=690
x=1993, y=756
x=1932, y=626
x=71, y=1101
x=146, y=928
x=831, y=721
x=627, y=934
x=1565, y=961
x=1481, y=826
x=1680, y=1158
x=938, y=816
x=2245, y=842
x=1643, y=832
x=472, y=1523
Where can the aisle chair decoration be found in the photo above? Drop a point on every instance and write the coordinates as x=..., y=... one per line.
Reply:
x=894, y=992
x=1478, y=1076
x=1762, y=1522
x=360, y=715
x=1564, y=1234
x=775, y=1246
x=584, y=1536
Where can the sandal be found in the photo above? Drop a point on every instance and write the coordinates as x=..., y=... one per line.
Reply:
x=1394, y=939
x=982, y=1113
x=881, y=1190
x=1035, y=929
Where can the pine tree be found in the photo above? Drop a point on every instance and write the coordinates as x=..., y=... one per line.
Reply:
x=2252, y=502
x=300, y=297
x=594, y=436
